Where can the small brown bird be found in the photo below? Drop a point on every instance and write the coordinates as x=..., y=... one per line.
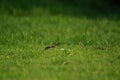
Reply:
x=100, y=48
x=52, y=46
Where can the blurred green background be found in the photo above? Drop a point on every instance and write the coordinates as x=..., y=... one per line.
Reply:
x=88, y=8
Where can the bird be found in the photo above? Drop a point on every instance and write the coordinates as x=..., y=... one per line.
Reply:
x=52, y=46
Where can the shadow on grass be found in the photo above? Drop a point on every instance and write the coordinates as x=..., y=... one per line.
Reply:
x=76, y=8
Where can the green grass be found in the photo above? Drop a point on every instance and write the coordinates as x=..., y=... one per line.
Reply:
x=89, y=46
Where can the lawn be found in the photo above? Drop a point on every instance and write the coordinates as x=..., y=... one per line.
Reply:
x=89, y=40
